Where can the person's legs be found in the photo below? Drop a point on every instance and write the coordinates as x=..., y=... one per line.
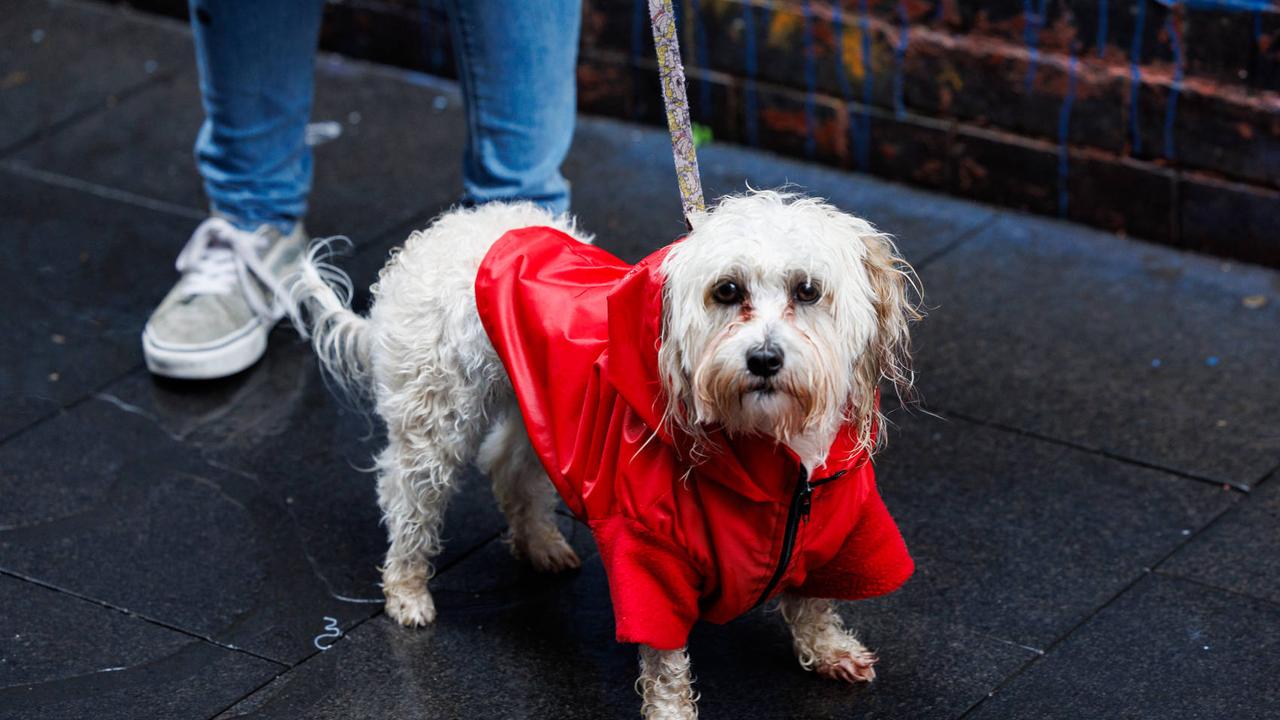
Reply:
x=516, y=61
x=255, y=61
x=256, y=64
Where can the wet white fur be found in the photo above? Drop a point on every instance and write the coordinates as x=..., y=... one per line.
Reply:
x=423, y=356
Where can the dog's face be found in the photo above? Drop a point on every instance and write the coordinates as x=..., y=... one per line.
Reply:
x=782, y=314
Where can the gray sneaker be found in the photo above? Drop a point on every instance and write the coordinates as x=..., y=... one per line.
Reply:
x=215, y=321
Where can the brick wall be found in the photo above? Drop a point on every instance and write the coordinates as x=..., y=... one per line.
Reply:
x=1156, y=118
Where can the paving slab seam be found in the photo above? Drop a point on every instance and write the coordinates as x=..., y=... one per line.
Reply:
x=139, y=616
x=1273, y=472
x=1211, y=586
x=254, y=690
x=1096, y=611
x=116, y=99
x=307, y=658
x=107, y=193
x=1243, y=488
x=963, y=238
x=91, y=394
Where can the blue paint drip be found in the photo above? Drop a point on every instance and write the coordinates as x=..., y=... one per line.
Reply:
x=842, y=77
x=1101, y=42
x=639, y=24
x=432, y=51
x=1064, y=131
x=899, y=56
x=1135, y=76
x=749, y=94
x=1033, y=20
x=1171, y=108
x=1220, y=4
x=810, y=82
x=868, y=89
x=703, y=63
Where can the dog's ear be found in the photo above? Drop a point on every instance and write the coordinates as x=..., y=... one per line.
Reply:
x=896, y=294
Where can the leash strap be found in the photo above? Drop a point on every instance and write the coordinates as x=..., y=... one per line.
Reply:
x=671, y=73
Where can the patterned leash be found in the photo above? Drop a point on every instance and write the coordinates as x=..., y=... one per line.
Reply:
x=663, y=20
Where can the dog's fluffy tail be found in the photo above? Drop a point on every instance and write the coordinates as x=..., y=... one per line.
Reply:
x=321, y=294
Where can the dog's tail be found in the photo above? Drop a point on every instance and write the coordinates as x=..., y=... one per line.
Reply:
x=321, y=295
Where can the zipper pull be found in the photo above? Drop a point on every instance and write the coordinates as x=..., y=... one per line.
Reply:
x=806, y=496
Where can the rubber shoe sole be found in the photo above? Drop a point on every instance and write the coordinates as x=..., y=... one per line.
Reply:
x=206, y=362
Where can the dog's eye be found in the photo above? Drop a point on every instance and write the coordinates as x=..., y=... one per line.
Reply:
x=727, y=293
x=806, y=292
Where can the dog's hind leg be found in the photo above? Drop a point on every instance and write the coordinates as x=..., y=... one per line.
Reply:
x=413, y=500
x=525, y=496
x=434, y=430
x=823, y=644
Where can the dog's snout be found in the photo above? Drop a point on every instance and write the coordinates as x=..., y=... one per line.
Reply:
x=764, y=360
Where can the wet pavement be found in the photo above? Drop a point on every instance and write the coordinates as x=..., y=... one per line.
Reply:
x=1091, y=497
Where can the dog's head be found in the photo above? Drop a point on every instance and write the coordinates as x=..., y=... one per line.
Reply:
x=781, y=317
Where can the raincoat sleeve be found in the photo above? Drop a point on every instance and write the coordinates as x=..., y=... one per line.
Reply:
x=654, y=586
x=872, y=561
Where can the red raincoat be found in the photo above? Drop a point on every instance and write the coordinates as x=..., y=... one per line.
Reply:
x=578, y=331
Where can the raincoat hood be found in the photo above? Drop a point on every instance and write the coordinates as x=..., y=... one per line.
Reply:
x=578, y=332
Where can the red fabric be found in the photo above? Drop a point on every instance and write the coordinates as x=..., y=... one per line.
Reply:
x=578, y=331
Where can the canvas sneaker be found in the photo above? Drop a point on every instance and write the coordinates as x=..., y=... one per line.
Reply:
x=215, y=321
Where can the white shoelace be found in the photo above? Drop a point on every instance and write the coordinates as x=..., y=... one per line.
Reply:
x=219, y=258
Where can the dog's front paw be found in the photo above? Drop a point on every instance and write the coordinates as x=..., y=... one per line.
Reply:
x=851, y=667
x=546, y=550
x=411, y=608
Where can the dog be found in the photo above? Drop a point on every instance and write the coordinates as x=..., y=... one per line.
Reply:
x=710, y=412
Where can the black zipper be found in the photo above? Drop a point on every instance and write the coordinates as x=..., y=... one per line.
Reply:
x=801, y=502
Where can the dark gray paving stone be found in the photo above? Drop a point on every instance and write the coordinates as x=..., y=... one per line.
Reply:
x=625, y=191
x=1020, y=538
x=64, y=657
x=79, y=275
x=251, y=537
x=1111, y=344
x=513, y=644
x=57, y=60
x=1239, y=551
x=1166, y=649
x=398, y=155
x=136, y=519
x=280, y=424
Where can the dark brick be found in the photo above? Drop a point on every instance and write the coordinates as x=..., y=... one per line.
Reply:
x=1237, y=136
x=909, y=148
x=1005, y=169
x=990, y=86
x=783, y=127
x=612, y=25
x=781, y=55
x=1122, y=195
x=1226, y=218
x=1233, y=47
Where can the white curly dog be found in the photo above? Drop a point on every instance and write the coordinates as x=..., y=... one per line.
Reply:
x=423, y=355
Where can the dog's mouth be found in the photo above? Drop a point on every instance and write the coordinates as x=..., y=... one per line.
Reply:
x=763, y=388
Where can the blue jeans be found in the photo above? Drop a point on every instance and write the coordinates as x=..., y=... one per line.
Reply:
x=515, y=58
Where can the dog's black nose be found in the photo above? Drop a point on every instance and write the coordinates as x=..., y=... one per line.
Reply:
x=765, y=361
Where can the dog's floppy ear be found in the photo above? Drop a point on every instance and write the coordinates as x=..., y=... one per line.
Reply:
x=896, y=294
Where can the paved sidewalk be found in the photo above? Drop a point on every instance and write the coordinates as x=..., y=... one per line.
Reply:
x=1093, y=509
